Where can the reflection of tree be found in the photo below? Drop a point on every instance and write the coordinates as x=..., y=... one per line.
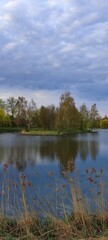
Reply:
x=64, y=149
x=88, y=147
x=47, y=150
x=94, y=148
x=21, y=153
x=83, y=149
x=17, y=157
x=23, y=150
x=2, y=153
x=21, y=165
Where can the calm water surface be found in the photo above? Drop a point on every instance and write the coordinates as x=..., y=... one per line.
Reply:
x=45, y=164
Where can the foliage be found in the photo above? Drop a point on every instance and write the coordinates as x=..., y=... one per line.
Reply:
x=93, y=115
x=21, y=113
x=47, y=117
x=67, y=114
x=2, y=104
x=84, y=117
x=30, y=114
x=104, y=123
x=4, y=119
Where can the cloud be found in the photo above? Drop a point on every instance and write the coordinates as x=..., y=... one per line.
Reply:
x=47, y=97
x=9, y=46
x=11, y=4
x=2, y=79
x=55, y=46
x=41, y=97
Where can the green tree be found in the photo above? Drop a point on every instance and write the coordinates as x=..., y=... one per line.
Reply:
x=94, y=115
x=31, y=114
x=51, y=116
x=21, y=116
x=12, y=108
x=67, y=114
x=4, y=119
x=104, y=122
x=84, y=117
x=44, y=117
x=2, y=104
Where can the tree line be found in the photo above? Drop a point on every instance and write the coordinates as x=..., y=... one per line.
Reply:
x=19, y=112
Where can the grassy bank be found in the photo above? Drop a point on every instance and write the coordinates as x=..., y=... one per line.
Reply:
x=26, y=224
x=40, y=132
x=31, y=228
x=10, y=129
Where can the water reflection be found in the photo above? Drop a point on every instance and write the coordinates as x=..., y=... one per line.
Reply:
x=94, y=149
x=90, y=148
x=83, y=149
x=44, y=161
x=22, y=151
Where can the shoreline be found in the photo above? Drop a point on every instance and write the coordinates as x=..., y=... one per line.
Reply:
x=54, y=133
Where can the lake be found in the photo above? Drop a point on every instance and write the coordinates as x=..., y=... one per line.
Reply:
x=41, y=168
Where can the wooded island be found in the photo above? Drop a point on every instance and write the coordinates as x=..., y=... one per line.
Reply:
x=19, y=113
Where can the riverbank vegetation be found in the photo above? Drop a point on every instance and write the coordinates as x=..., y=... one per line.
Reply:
x=18, y=113
x=78, y=220
x=32, y=228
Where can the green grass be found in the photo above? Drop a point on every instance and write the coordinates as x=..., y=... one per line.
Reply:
x=10, y=129
x=40, y=132
x=43, y=132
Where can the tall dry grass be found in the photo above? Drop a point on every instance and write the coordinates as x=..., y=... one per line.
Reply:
x=78, y=220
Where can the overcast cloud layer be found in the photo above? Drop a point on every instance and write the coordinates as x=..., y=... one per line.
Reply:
x=49, y=46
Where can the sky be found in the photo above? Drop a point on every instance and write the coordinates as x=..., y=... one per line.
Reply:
x=48, y=47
